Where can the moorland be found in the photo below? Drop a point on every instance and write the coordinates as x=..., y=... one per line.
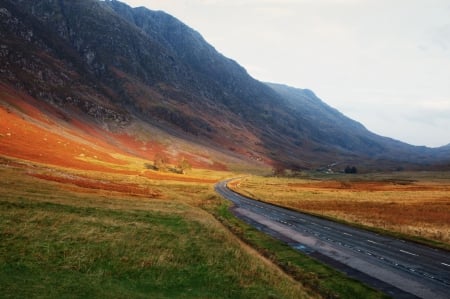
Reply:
x=413, y=205
x=117, y=122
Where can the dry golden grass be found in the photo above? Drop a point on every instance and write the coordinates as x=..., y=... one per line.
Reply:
x=416, y=204
x=106, y=239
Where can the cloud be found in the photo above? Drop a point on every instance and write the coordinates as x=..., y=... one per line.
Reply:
x=440, y=37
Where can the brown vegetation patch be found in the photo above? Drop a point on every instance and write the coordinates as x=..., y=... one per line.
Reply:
x=367, y=186
x=24, y=140
x=179, y=178
x=418, y=207
x=34, y=131
x=383, y=213
x=24, y=103
x=132, y=189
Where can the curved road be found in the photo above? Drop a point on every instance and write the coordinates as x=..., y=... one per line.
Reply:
x=399, y=268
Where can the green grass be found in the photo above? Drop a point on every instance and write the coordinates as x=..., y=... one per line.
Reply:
x=57, y=243
x=324, y=280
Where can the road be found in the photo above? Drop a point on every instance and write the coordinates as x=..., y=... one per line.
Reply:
x=399, y=268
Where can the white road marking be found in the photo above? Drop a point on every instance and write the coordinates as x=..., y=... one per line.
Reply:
x=326, y=227
x=373, y=242
x=348, y=234
x=445, y=264
x=407, y=252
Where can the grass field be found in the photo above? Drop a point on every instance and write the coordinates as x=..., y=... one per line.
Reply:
x=413, y=204
x=69, y=233
x=67, y=241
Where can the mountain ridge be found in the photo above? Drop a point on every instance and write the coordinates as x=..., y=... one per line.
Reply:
x=112, y=65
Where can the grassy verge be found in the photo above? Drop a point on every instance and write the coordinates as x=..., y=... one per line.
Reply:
x=58, y=243
x=320, y=278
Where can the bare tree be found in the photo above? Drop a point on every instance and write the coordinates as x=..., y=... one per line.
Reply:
x=160, y=161
x=184, y=165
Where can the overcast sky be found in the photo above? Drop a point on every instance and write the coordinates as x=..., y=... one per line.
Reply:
x=384, y=63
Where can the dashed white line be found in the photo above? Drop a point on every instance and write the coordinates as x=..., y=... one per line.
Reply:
x=407, y=252
x=445, y=264
x=373, y=242
x=348, y=234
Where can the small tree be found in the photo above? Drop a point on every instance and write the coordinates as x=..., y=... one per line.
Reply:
x=184, y=165
x=160, y=162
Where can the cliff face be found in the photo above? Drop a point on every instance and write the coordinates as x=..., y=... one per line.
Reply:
x=107, y=63
x=36, y=59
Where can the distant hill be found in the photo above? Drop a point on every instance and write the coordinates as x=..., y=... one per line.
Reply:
x=336, y=132
x=112, y=67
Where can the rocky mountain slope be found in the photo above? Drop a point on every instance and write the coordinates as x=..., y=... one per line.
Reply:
x=111, y=66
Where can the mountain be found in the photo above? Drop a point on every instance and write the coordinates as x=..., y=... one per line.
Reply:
x=335, y=131
x=129, y=71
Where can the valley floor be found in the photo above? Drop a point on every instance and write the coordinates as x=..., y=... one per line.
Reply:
x=60, y=239
x=414, y=205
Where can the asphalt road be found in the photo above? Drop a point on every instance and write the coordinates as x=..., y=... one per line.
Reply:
x=400, y=268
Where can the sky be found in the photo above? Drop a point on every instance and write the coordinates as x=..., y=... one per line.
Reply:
x=384, y=63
